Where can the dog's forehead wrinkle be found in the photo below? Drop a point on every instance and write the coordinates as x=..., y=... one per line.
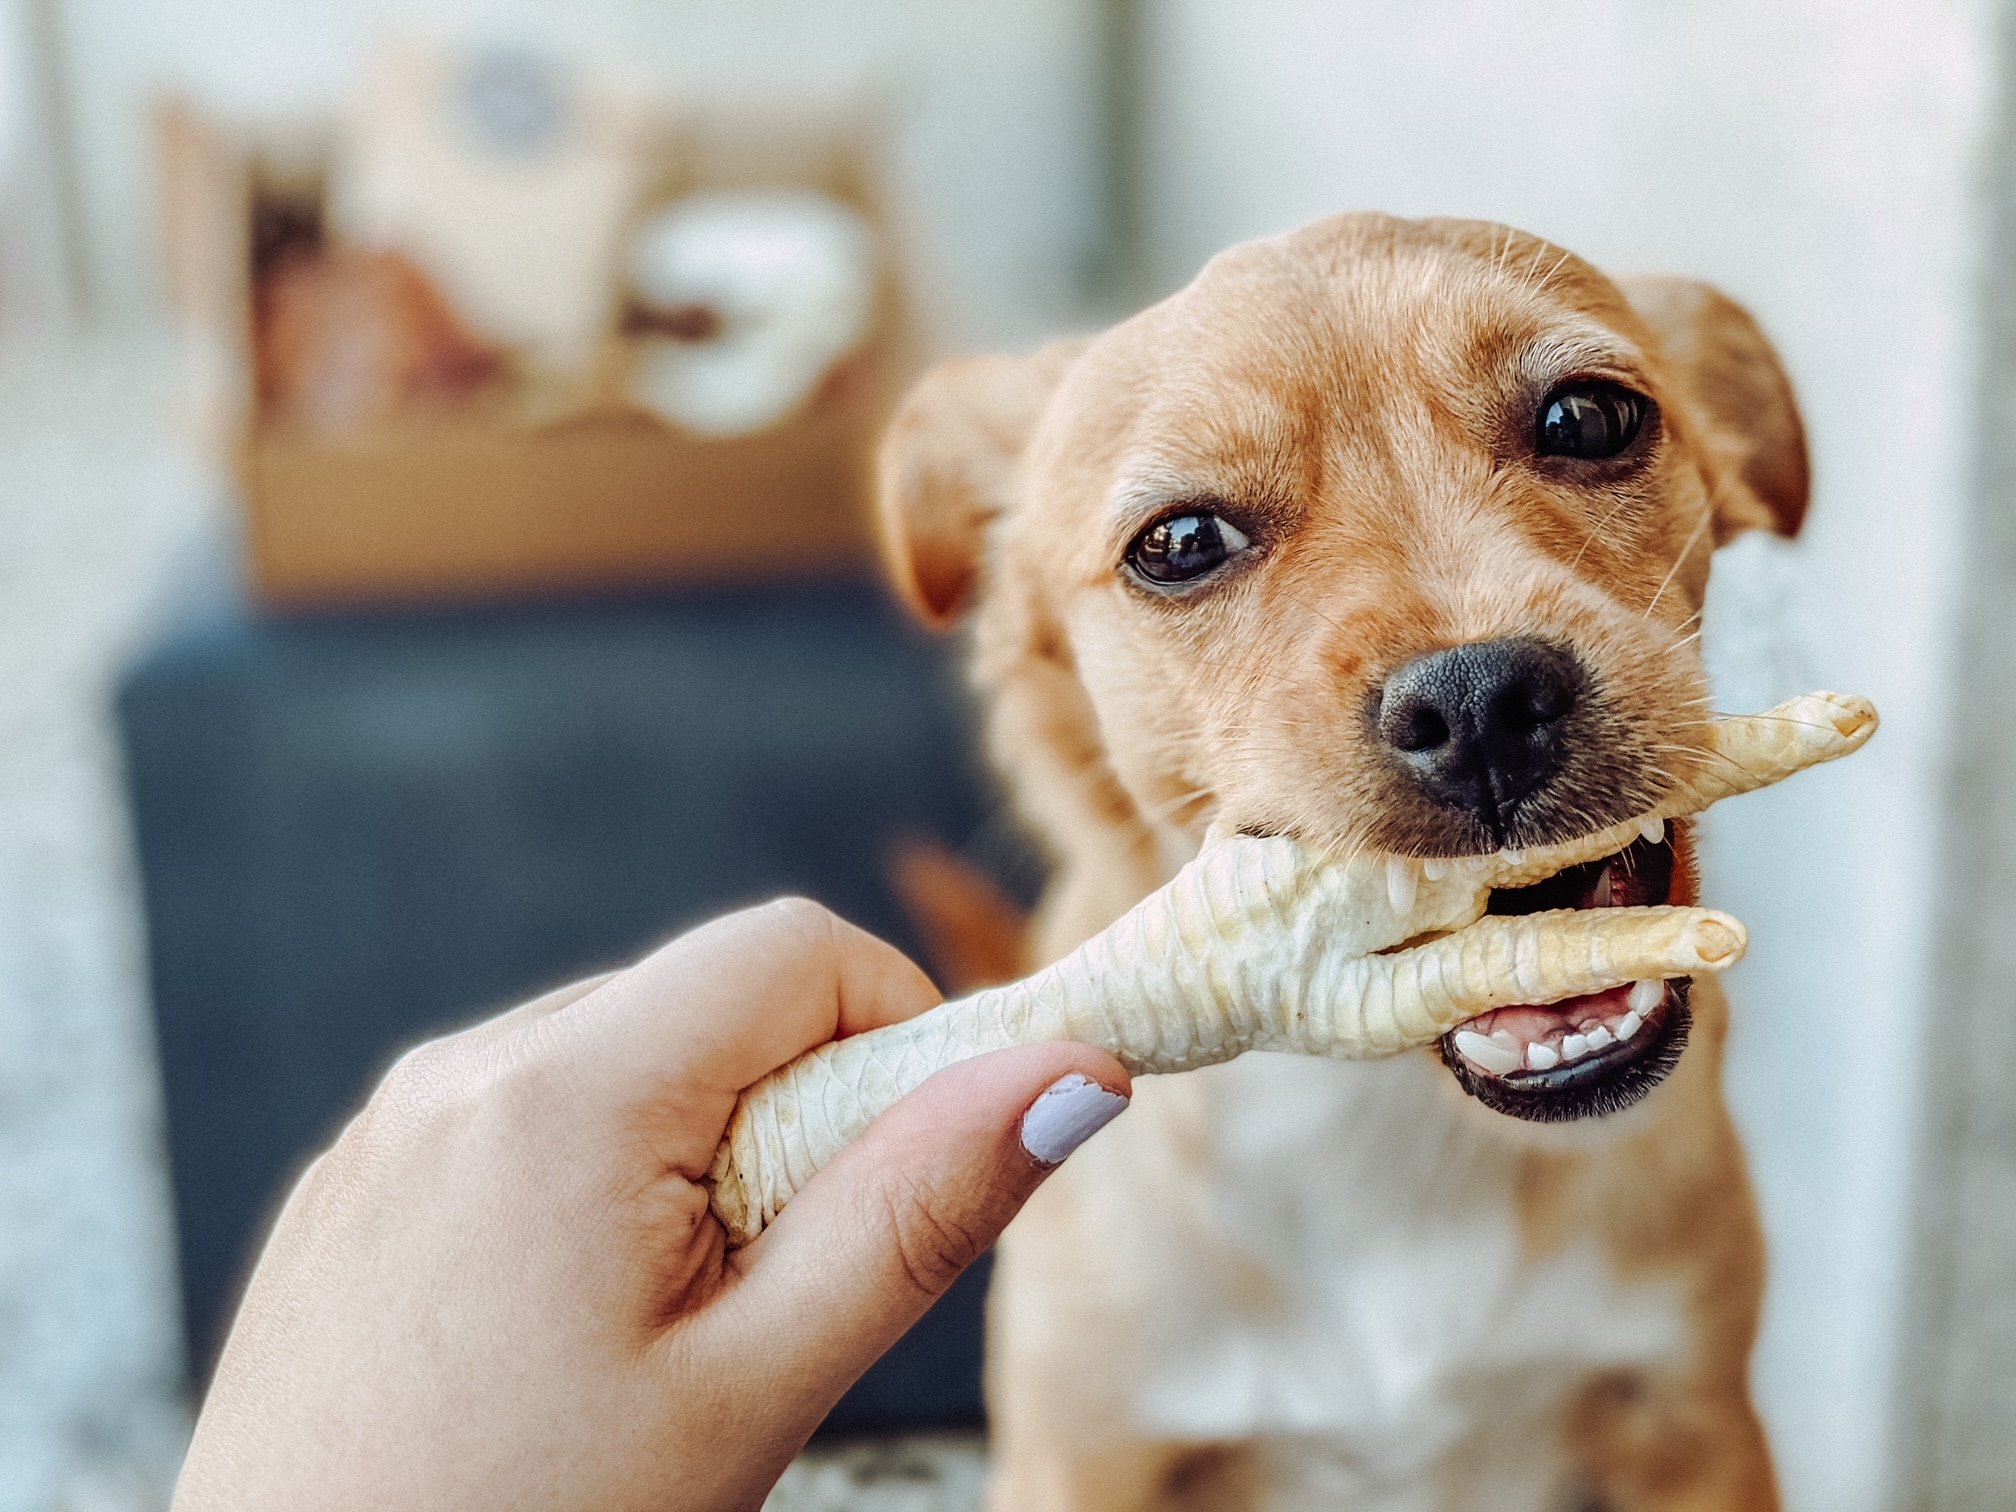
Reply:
x=1145, y=484
x=1556, y=355
x=1242, y=440
x=1442, y=256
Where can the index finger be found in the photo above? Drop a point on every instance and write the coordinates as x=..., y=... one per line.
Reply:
x=688, y=1027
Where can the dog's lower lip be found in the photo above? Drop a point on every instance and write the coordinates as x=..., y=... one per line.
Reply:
x=1604, y=1083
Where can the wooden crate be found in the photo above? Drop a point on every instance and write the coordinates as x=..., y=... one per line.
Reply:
x=510, y=500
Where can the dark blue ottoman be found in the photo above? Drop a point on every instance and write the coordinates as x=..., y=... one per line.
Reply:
x=356, y=832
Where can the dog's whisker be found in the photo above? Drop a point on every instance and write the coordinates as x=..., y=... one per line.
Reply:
x=1804, y=724
x=1168, y=811
x=1308, y=608
x=1713, y=755
x=1502, y=250
x=1595, y=531
x=1686, y=551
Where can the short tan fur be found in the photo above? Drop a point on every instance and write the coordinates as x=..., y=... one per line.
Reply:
x=1287, y=1283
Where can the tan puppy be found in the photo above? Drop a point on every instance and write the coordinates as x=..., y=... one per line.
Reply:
x=1385, y=534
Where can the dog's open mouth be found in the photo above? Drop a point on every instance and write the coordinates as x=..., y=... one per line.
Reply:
x=1588, y=1055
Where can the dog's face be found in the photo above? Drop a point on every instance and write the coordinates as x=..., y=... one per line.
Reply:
x=1385, y=535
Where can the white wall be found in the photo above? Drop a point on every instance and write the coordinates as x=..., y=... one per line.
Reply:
x=1816, y=159
x=997, y=105
x=35, y=281
x=13, y=85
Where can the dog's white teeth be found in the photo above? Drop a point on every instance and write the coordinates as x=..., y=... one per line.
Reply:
x=1433, y=869
x=1600, y=897
x=1512, y=857
x=1654, y=830
x=1402, y=883
x=1486, y=1053
x=1502, y=1053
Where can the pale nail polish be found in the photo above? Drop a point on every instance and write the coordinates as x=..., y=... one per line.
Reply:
x=1071, y=1110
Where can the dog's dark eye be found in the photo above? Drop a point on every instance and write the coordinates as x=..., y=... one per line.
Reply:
x=1185, y=547
x=1589, y=421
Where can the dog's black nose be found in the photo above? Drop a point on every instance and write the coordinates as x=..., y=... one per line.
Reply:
x=1481, y=725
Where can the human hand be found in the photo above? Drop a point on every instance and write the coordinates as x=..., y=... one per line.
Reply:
x=502, y=1287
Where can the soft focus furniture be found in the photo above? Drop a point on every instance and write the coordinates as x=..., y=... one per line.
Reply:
x=356, y=832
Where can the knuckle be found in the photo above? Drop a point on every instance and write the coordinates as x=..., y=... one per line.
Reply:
x=429, y=1084
x=418, y=1079
x=520, y=1097
x=412, y=1081
x=442, y=1096
x=932, y=1246
x=799, y=916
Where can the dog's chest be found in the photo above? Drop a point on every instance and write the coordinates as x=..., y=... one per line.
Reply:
x=1362, y=1285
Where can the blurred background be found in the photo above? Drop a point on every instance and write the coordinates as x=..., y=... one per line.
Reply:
x=431, y=565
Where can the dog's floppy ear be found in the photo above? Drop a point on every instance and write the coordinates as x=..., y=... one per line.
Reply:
x=1740, y=394
x=947, y=469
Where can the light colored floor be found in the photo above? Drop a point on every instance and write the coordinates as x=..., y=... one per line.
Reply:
x=99, y=492
x=93, y=500
x=936, y=1473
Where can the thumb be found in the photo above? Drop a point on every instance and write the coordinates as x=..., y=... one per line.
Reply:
x=878, y=1235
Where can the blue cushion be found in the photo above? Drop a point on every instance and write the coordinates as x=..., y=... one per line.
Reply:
x=357, y=831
